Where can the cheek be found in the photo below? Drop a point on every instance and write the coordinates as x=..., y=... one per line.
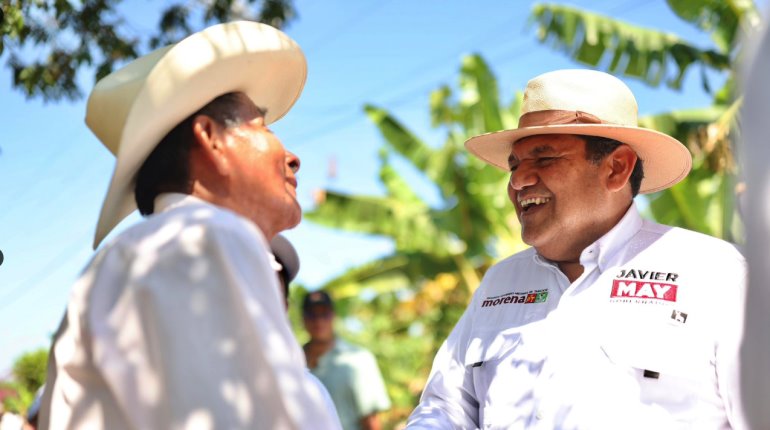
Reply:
x=260, y=143
x=511, y=194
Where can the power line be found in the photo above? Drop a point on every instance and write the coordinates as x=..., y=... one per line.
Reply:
x=34, y=281
x=347, y=120
x=421, y=69
x=353, y=19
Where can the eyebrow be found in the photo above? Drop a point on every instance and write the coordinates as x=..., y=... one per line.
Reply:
x=538, y=150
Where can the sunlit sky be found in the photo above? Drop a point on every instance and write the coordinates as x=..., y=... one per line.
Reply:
x=391, y=53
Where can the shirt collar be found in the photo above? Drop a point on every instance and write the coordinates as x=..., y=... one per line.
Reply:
x=601, y=251
x=168, y=201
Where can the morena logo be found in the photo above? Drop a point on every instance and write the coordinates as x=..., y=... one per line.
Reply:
x=1, y=257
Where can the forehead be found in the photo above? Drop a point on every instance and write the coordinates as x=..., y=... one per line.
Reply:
x=318, y=307
x=247, y=109
x=546, y=143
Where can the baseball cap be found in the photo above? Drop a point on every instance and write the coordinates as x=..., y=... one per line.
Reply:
x=316, y=298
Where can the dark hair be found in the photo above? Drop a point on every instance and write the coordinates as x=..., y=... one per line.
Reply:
x=597, y=148
x=167, y=168
x=283, y=276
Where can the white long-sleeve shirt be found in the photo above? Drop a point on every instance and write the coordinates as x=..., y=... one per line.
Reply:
x=178, y=324
x=646, y=338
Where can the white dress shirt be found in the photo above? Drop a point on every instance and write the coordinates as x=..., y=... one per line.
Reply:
x=646, y=338
x=179, y=324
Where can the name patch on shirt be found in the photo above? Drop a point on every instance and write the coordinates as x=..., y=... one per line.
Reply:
x=532, y=296
x=644, y=286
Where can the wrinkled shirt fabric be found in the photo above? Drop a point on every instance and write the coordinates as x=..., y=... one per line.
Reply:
x=646, y=338
x=178, y=323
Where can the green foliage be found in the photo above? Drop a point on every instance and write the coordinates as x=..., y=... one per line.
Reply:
x=720, y=18
x=704, y=201
x=623, y=48
x=69, y=37
x=29, y=371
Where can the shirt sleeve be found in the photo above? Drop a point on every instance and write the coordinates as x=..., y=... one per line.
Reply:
x=197, y=337
x=449, y=400
x=369, y=388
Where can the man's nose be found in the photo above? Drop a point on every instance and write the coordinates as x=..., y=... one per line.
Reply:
x=292, y=161
x=523, y=176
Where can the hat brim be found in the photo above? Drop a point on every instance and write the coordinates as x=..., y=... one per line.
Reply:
x=666, y=160
x=247, y=57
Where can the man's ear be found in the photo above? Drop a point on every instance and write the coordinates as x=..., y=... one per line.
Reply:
x=209, y=143
x=620, y=164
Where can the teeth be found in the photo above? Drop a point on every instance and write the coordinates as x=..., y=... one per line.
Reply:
x=533, y=201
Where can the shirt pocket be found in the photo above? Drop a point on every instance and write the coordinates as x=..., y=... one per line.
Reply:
x=502, y=372
x=672, y=369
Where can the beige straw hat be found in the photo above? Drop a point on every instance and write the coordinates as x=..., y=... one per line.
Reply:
x=133, y=108
x=590, y=103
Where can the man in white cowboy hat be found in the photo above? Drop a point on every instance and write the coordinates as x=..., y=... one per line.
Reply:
x=609, y=321
x=178, y=322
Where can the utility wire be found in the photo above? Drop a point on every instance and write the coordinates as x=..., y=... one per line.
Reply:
x=346, y=120
x=34, y=281
x=353, y=20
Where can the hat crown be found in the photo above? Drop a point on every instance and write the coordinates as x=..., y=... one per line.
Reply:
x=112, y=98
x=597, y=93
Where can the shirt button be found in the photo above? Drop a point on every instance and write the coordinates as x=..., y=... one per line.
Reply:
x=539, y=414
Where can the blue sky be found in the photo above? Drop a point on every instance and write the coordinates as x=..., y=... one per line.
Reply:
x=392, y=53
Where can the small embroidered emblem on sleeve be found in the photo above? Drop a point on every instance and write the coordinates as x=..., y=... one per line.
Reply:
x=679, y=316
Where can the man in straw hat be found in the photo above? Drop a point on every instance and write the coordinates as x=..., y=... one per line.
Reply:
x=179, y=322
x=609, y=321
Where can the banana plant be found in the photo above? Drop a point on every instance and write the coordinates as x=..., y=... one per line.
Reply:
x=417, y=293
x=472, y=224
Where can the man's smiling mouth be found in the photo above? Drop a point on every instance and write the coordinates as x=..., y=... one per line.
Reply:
x=533, y=201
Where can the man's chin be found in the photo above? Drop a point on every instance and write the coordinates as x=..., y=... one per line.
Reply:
x=531, y=238
x=293, y=219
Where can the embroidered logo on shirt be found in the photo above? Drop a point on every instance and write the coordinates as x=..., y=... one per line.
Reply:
x=534, y=296
x=644, y=286
x=679, y=316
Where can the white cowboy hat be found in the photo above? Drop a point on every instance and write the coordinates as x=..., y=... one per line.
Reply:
x=133, y=108
x=590, y=103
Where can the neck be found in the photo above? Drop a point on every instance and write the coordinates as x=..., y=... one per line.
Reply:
x=571, y=269
x=223, y=200
x=319, y=345
x=315, y=348
x=567, y=255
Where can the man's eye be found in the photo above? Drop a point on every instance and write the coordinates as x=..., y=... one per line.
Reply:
x=545, y=160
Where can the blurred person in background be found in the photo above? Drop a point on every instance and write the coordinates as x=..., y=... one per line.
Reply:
x=178, y=322
x=349, y=372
